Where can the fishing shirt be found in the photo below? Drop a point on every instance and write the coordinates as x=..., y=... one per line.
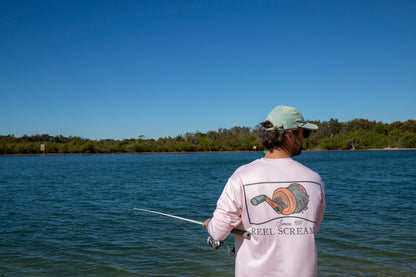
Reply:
x=281, y=203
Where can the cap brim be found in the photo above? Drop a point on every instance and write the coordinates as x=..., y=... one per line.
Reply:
x=309, y=126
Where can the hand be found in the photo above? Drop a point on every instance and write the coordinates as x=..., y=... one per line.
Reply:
x=205, y=224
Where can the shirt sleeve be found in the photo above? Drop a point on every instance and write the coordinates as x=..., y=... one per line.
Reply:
x=227, y=215
x=321, y=212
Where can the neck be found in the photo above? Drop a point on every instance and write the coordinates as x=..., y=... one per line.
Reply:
x=277, y=154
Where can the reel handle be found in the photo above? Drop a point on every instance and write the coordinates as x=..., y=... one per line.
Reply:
x=244, y=234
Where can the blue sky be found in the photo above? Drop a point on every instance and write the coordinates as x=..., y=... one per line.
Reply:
x=121, y=69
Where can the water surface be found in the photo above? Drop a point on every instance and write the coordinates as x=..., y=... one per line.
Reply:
x=73, y=215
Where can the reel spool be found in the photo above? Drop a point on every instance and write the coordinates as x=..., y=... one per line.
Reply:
x=214, y=243
x=286, y=201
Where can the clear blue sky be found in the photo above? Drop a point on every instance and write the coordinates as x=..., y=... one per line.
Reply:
x=121, y=69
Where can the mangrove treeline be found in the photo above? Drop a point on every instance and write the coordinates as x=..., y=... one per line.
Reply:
x=331, y=135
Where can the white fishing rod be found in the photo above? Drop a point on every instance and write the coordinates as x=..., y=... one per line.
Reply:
x=211, y=242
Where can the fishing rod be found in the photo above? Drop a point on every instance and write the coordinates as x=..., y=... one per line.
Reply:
x=210, y=241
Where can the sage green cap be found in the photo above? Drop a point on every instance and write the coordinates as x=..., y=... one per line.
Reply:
x=286, y=118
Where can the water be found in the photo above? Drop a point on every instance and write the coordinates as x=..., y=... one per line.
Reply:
x=73, y=215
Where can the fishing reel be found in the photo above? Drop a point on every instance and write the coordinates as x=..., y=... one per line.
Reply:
x=214, y=243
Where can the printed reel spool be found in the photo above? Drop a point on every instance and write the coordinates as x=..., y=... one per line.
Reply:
x=292, y=199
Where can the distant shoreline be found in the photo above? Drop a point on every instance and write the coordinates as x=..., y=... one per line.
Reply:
x=207, y=152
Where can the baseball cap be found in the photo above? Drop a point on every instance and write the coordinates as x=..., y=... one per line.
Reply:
x=286, y=118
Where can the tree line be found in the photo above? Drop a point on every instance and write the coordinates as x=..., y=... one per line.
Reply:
x=331, y=135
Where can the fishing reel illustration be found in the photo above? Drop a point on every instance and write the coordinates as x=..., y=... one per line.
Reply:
x=286, y=201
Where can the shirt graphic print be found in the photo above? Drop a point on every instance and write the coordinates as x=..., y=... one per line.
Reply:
x=269, y=201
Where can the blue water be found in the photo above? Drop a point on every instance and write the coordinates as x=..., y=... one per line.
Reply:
x=73, y=215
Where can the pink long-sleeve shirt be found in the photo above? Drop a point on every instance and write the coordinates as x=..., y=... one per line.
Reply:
x=282, y=203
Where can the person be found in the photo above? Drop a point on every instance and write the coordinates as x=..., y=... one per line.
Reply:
x=278, y=200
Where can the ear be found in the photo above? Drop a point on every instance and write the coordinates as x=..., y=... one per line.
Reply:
x=289, y=138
